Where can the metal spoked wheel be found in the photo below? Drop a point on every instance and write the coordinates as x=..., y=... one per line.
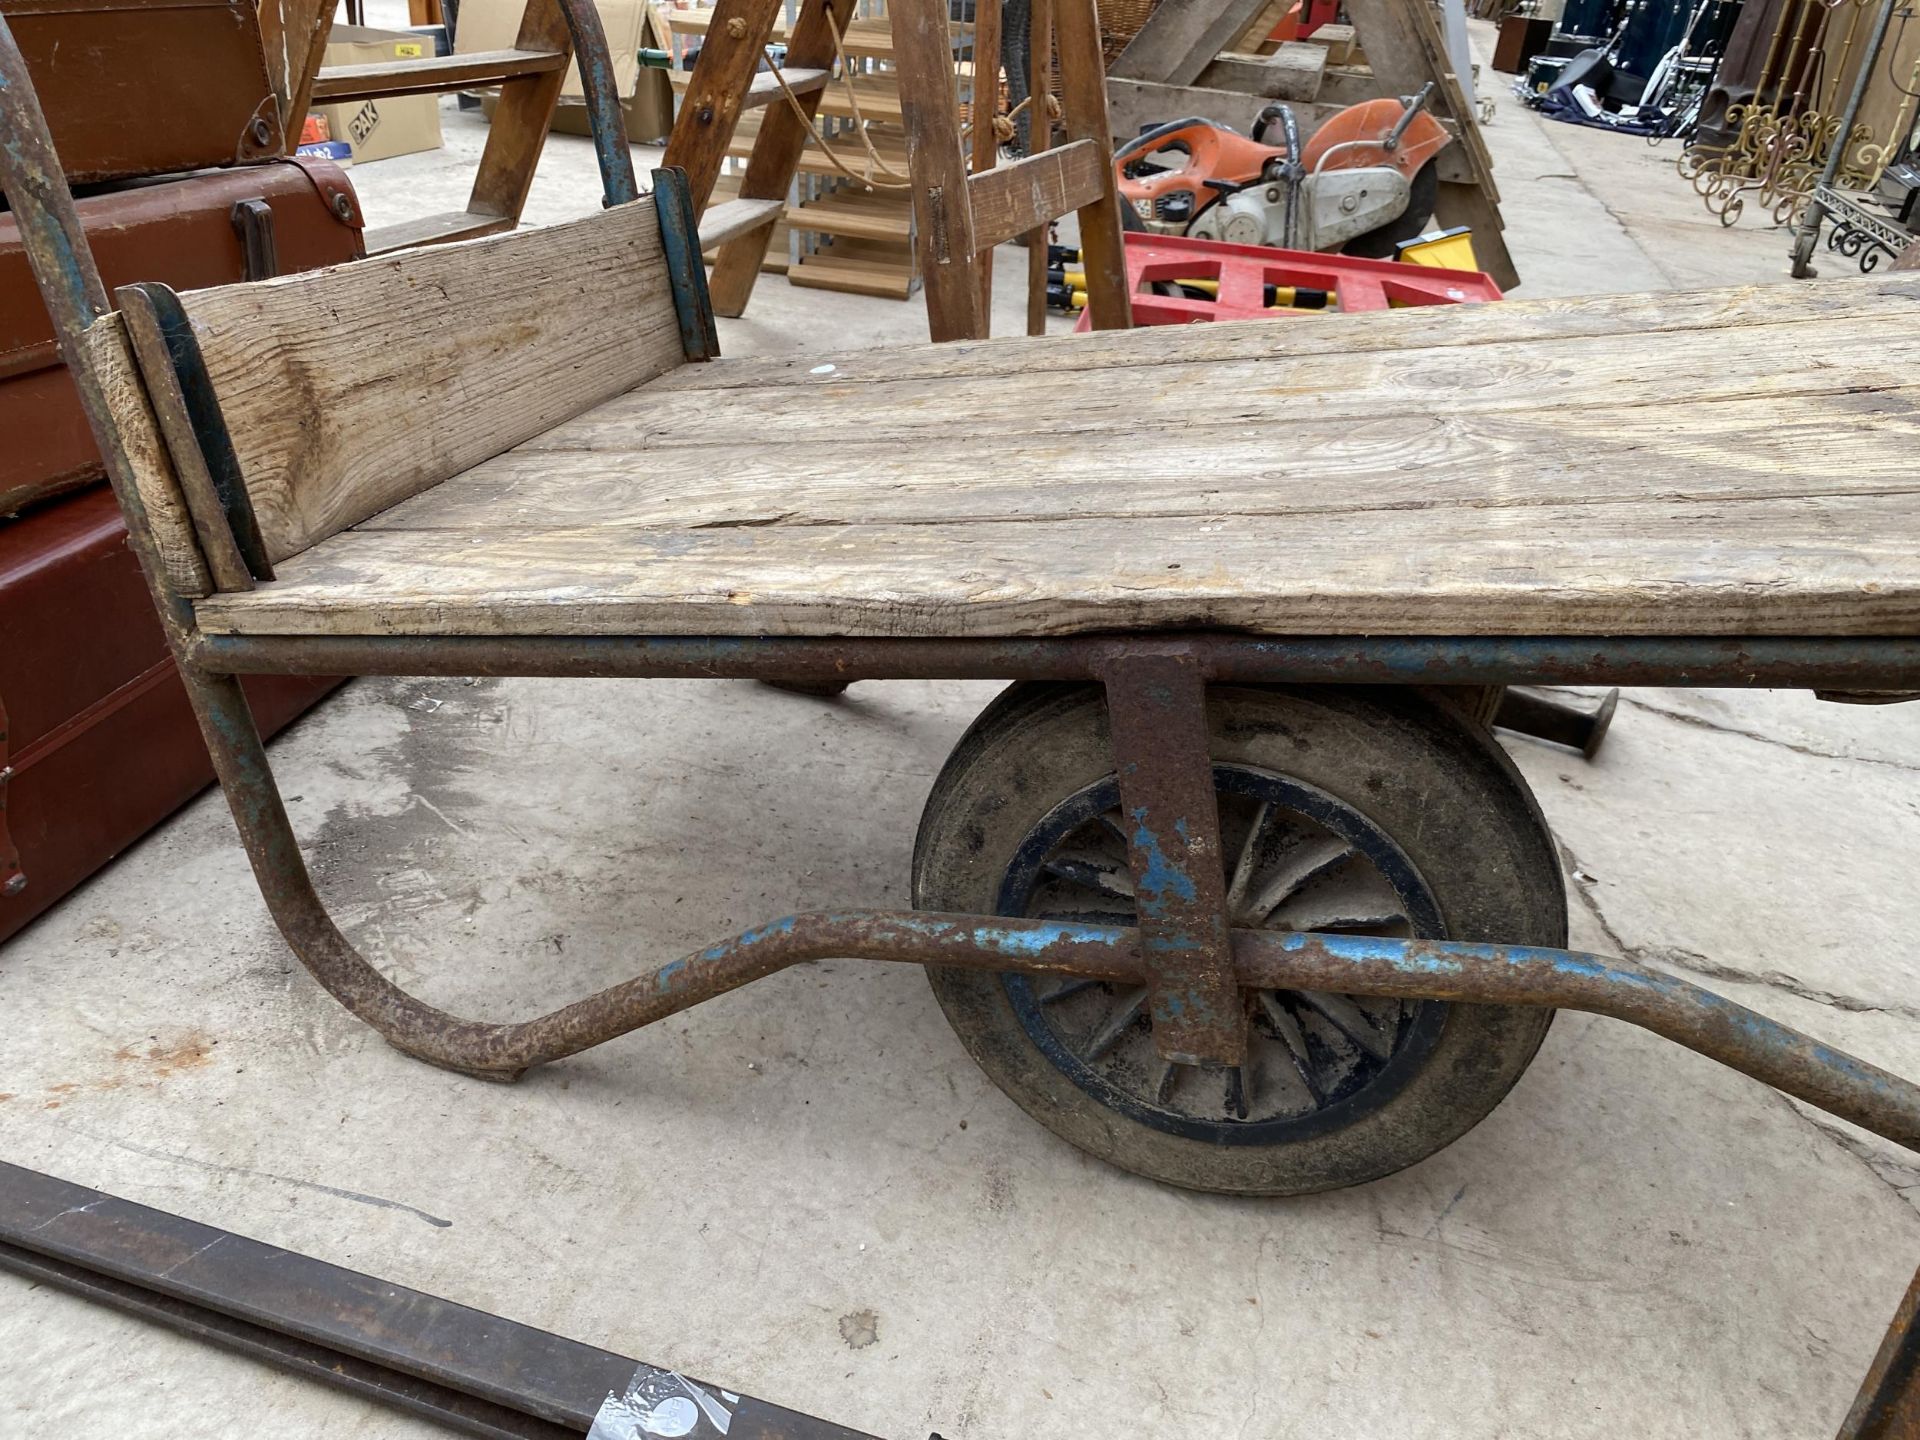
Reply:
x=1302, y=860
x=1364, y=812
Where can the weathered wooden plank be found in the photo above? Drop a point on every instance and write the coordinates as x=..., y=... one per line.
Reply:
x=1779, y=310
x=1293, y=72
x=1181, y=37
x=1471, y=205
x=1253, y=40
x=1134, y=105
x=720, y=223
x=1010, y=200
x=346, y=390
x=442, y=73
x=110, y=357
x=983, y=103
x=1041, y=135
x=1831, y=444
x=1843, y=565
x=950, y=267
x=1109, y=302
x=218, y=548
x=1286, y=402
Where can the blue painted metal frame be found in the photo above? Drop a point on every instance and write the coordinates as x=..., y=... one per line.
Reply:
x=686, y=272
x=1157, y=716
x=605, y=118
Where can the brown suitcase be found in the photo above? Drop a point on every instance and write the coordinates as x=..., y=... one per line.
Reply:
x=148, y=87
x=97, y=741
x=185, y=232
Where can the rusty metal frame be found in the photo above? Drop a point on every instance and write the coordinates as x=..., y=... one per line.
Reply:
x=1156, y=688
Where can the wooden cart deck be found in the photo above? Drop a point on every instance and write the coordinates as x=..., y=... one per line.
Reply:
x=1728, y=462
x=502, y=438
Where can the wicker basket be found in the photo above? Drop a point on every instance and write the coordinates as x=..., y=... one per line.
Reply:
x=1120, y=21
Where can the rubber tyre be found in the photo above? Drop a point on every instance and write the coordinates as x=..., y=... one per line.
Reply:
x=1417, y=766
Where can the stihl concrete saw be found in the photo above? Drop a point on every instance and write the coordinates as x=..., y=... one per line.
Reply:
x=1365, y=181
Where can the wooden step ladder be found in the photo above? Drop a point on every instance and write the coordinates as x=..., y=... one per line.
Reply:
x=529, y=75
x=726, y=83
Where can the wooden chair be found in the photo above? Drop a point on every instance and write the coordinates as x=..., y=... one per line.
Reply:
x=959, y=217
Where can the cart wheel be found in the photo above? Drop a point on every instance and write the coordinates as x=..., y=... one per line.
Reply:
x=1368, y=811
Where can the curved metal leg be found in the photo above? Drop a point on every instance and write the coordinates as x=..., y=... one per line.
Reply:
x=503, y=1051
x=1510, y=975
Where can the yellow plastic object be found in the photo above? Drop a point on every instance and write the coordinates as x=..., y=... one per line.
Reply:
x=1443, y=250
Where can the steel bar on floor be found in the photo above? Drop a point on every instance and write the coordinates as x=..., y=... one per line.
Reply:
x=472, y=1372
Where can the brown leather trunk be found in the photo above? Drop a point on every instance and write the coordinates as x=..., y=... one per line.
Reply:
x=148, y=87
x=182, y=232
x=97, y=741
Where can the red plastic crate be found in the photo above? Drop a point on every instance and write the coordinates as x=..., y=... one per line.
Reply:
x=1244, y=272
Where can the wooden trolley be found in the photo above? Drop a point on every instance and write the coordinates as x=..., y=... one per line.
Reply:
x=1232, y=886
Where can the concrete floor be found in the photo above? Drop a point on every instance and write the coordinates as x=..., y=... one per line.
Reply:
x=807, y=1191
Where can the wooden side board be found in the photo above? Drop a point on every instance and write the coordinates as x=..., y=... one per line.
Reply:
x=346, y=390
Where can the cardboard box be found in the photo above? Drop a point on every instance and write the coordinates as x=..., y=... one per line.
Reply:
x=393, y=124
x=646, y=95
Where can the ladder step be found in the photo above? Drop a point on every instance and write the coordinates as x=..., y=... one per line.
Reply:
x=441, y=73
x=435, y=230
x=736, y=217
x=764, y=89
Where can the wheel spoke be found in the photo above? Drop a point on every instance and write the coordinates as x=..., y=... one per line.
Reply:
x=1133, y=1004
x=1249, y=852
x=1072, y=914
x=1296, y=869
x=1067, y=989
x=1163, y=1087
x=1295, y=1041
x=1348, y=917
x=1092, y=872
x=1239, y=1092
x=1349, y=1019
